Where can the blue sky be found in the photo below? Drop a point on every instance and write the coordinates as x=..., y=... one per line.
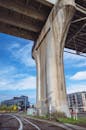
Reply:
x=75, y=72
x=18, y=70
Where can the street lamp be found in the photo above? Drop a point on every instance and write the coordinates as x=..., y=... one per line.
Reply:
x=25, y=104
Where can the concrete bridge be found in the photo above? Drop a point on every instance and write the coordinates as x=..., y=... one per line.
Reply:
x=52, y=27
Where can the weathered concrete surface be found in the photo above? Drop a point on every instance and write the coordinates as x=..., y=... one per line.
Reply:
x=48, y=53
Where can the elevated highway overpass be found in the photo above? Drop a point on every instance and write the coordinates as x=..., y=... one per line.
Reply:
x=26, y=19
x=52, y=26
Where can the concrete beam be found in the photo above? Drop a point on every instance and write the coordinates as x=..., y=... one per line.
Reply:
x=46, y=3
x=18, y=21
x=11, y=30
x=60, y=4
x=28, y=11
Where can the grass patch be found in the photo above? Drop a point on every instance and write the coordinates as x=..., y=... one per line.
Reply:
x=72, y=121
x=46, y=117
x=79, y=121
x=41, y=117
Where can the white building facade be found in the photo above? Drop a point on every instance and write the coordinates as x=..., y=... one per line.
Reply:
x=77, y=100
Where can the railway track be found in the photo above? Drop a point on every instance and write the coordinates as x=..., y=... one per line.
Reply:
x=18, y=122
x=15, y=122
x=45, y=125
x=8, y=122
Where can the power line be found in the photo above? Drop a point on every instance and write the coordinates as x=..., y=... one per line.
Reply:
x=75, y=53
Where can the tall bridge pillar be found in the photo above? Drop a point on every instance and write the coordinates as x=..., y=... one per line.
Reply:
x=48, y=54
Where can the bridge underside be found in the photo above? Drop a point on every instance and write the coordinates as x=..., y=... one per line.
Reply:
x=26, y=18
x=51, y=27
x=76, y=38
x=23, y=18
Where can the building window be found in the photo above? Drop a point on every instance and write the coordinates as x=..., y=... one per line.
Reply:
x=85, y=96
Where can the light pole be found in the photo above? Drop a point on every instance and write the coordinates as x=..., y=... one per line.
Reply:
x=50, y=111
x=25, y=103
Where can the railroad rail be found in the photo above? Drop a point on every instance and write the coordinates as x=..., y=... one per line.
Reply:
x=18, y=122
x=15, y=122
x=8, y=122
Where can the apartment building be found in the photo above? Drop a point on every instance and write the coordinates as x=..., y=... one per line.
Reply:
x=77, y=100
x=20, y=101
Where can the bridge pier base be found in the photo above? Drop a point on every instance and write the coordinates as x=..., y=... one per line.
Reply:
x=48, y=54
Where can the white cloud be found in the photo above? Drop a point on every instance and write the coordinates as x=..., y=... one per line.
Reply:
x=14, y=45
x=7, y=70
x=79, y=76
x=23, y=84
x=5, y=97
x=82, y=64
x=32, y=96
x=4, y=83
x=17, y=75
x=27, y=83
x=23, y=55
x=73, y=60
x=75, y=63
x=76, y=88
x=22, y=81
x=73, y=57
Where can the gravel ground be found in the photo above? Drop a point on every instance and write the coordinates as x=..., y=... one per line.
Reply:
x=8, y=123
x=82, y=125
x=46, y=126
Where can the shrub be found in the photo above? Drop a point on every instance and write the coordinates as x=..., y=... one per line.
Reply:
x=56, y=115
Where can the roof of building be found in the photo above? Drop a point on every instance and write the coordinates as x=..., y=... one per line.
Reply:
x=77, y=92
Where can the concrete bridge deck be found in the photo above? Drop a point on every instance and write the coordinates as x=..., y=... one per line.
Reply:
x=26, y=18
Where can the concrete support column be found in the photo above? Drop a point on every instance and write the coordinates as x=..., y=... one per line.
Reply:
x=57, y=98
x=38, y=80
x=50, y=48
